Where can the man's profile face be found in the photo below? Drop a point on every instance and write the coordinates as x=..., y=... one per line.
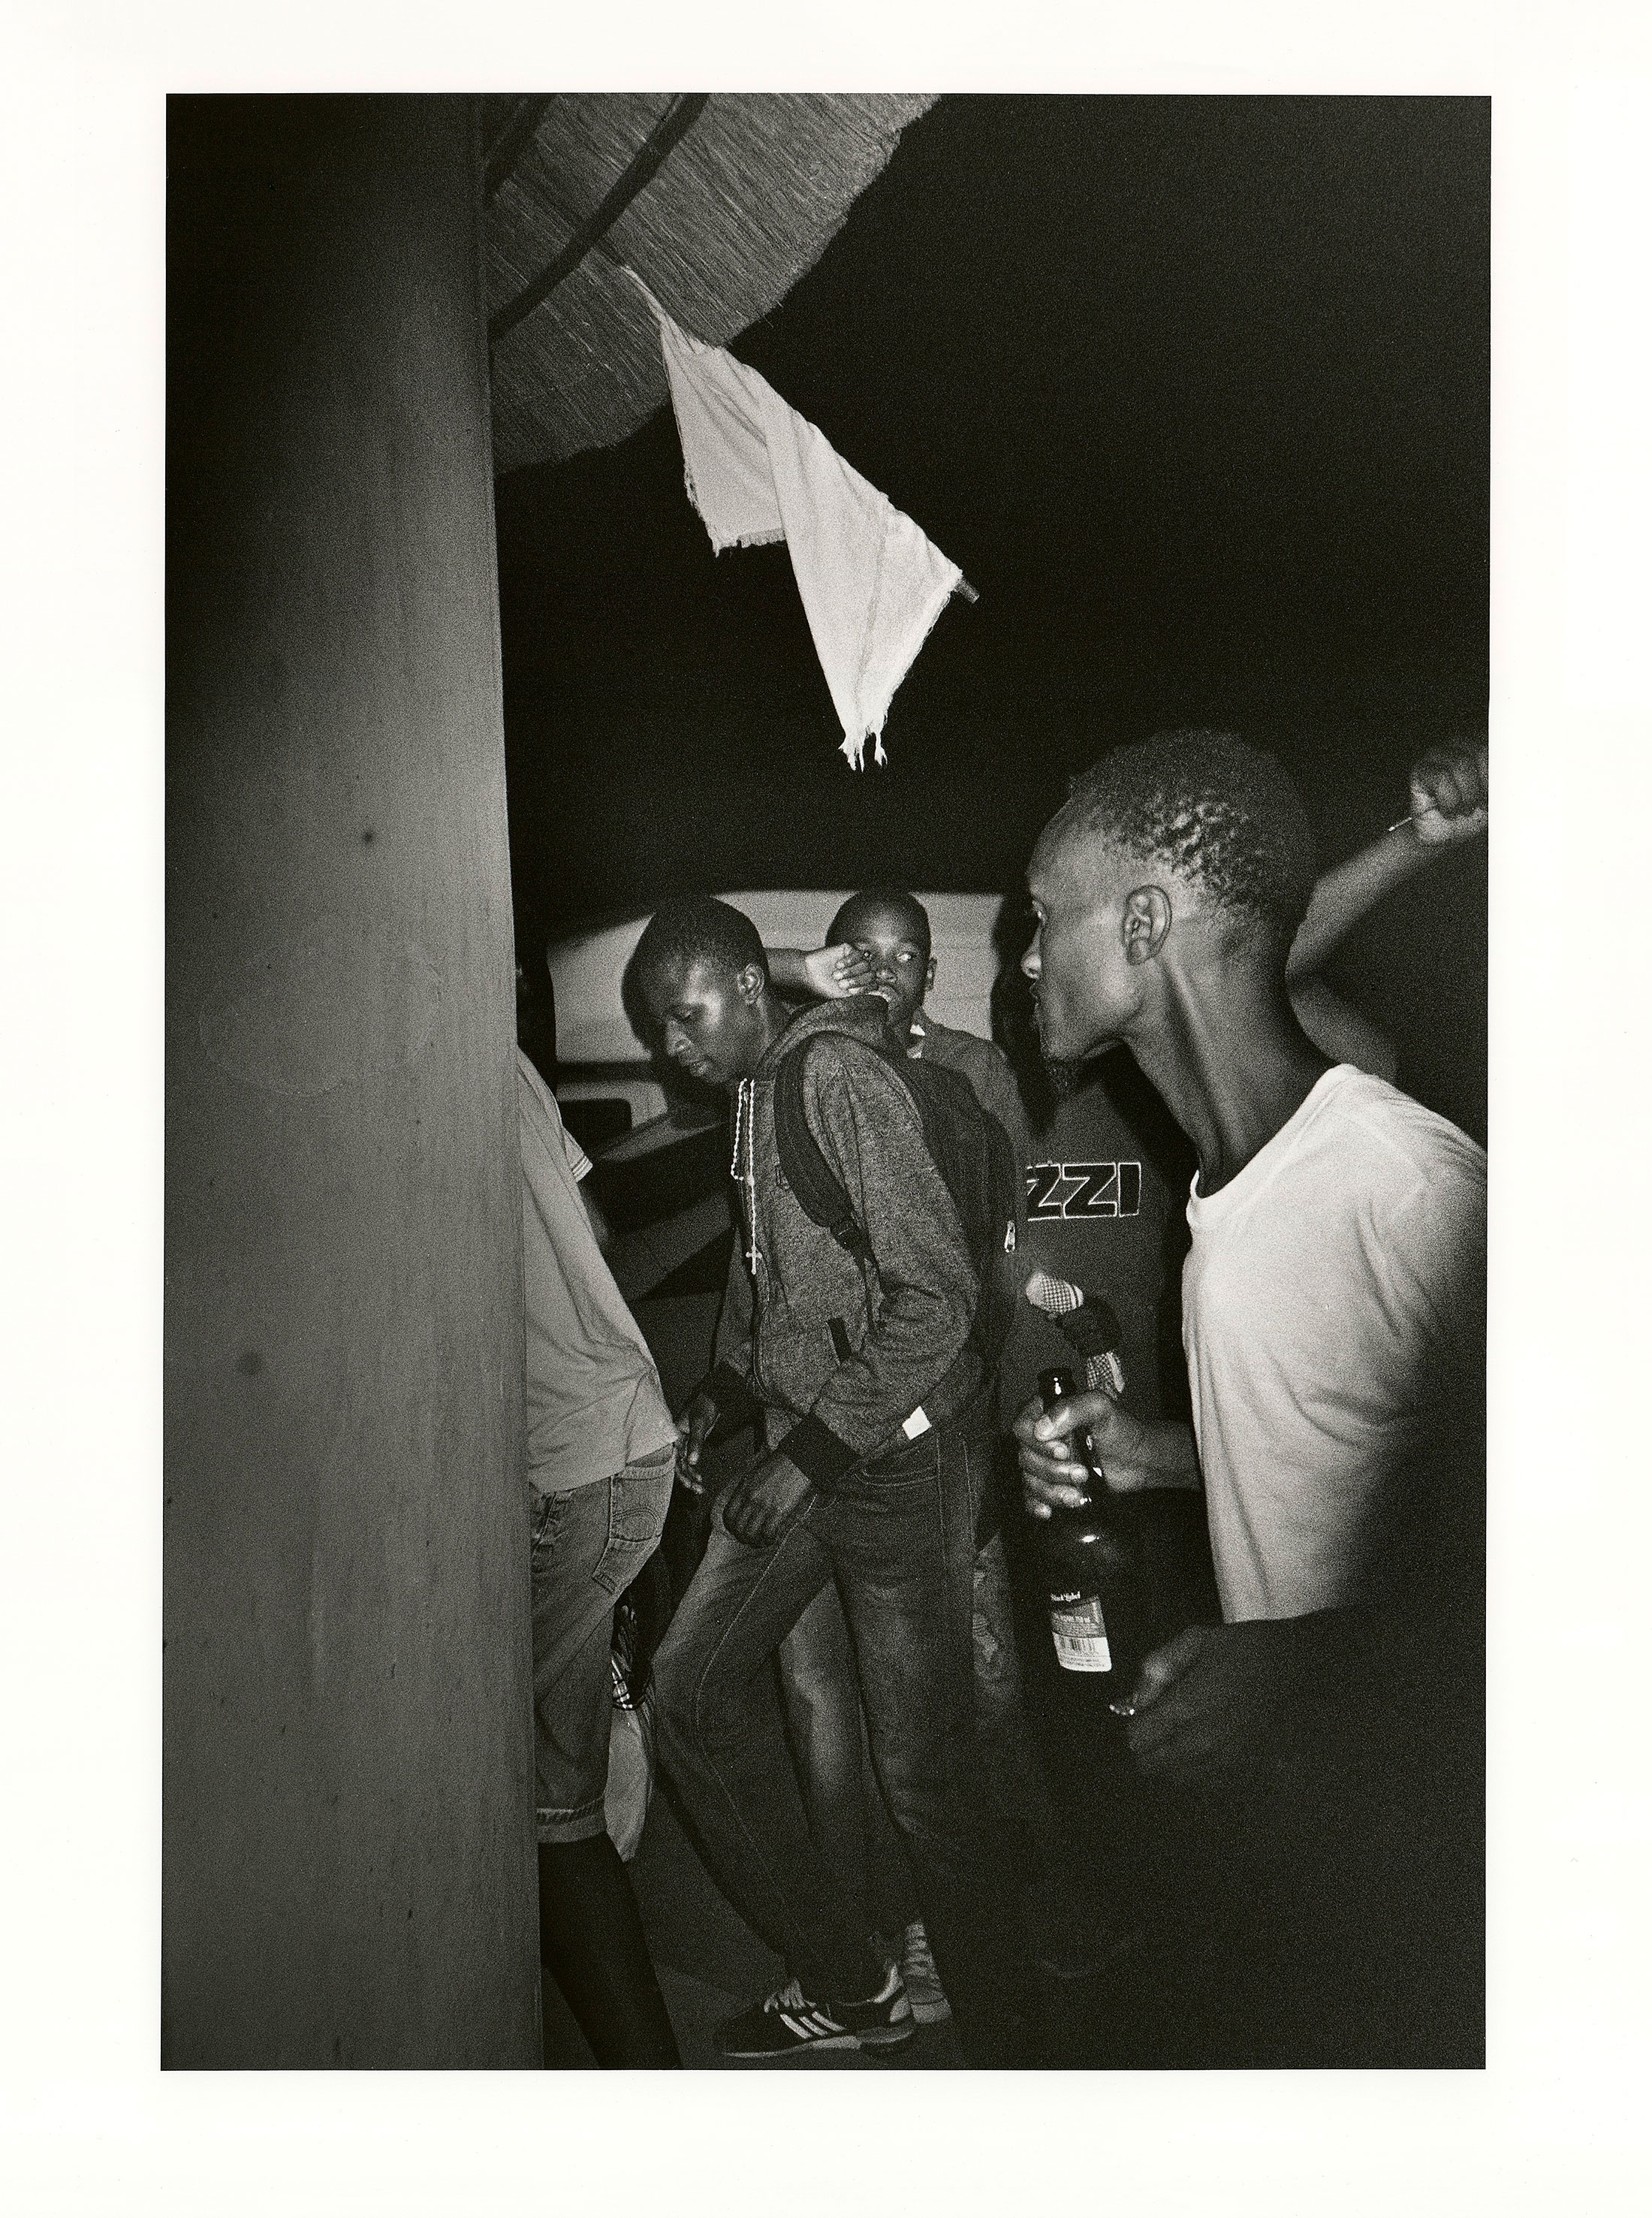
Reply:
x=1081, y=986
x=707, y=1026
x=903, y=969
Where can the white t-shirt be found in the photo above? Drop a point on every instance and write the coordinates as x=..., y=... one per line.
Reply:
x=1333, y=1308
x=594, y=1398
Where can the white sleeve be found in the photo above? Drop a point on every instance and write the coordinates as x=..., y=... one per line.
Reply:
x=533, y=1087
x=1437, y=1253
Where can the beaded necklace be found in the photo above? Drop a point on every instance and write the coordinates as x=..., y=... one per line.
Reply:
x=746, y=1178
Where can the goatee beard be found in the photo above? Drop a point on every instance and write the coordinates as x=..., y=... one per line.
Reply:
x=1066, y=1074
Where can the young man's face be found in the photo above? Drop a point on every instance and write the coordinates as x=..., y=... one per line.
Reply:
x=903, y=970
x=707, y=1019
x=1082, y=989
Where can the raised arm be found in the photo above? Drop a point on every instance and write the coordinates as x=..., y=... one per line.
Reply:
x=827, y=974
x=1448, y=806
x=1342, y=1031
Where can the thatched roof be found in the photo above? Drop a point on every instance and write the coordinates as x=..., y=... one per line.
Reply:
x=719, y=203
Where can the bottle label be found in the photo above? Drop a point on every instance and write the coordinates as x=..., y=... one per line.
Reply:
x=1079, y=1634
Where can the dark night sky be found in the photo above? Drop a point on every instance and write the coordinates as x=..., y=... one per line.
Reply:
x=1195, y=390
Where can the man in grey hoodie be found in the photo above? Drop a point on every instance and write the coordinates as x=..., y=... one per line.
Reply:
x=876, y=1411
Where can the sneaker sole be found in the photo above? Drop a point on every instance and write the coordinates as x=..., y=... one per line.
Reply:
x=935, y=2013
x=785, y=2055
x=884, y=2037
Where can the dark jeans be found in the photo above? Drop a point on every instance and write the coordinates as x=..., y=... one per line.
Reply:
x=821, y=1695
x=898, y=1541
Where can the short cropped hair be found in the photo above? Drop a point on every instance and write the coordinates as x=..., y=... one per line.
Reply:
x=1220, y=814
x=894, y=897
x=694, y=928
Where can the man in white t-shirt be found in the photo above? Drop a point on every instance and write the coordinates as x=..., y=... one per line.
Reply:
x=1334, y=1298
x=1334, y=1304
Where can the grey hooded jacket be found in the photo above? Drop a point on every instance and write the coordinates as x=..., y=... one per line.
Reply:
x=845, y=1368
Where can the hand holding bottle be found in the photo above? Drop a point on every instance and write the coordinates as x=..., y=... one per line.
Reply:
x=1051, y=1458
x=1090, y=1562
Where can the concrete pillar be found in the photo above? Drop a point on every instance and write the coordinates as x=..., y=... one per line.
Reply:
x=349, y=1861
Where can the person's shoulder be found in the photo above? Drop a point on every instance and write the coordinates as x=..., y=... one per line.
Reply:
x=947, y=1043
x=540, y=1123
x=844, y=1073
x=834, y=1059
x=980, y=1061
x=1400, y=1142
x=533, y=1096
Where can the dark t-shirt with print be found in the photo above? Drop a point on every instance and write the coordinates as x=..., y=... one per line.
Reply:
x=1107, y=1182
x=1108, y=1172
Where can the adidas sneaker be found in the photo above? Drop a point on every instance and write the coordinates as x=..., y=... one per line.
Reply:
x=788, y=2022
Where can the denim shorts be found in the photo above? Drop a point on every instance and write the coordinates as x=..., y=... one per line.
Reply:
x=588, y=1544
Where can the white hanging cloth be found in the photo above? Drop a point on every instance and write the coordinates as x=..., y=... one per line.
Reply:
x=871, y=584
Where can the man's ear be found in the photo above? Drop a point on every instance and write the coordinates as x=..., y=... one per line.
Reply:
x=1145, y=924
x=750, y=984
x=929, y=974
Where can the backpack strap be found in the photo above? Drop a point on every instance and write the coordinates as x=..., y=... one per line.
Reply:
x=821, y=1192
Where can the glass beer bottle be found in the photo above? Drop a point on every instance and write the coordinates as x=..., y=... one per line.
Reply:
x=1091, y=1563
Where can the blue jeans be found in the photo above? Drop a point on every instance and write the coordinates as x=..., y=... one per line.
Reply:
x=588, y=1543
x=898, y=1542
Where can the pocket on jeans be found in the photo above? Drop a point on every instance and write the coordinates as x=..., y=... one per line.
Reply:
x=638, y=1498
x=546, y=1513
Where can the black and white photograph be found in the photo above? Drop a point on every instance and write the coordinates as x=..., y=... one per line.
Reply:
x=846, y=1373
x=982, y=734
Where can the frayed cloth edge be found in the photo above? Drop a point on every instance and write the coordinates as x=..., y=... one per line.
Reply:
x=852, y=747
x=746, y=539
x=722, y=546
